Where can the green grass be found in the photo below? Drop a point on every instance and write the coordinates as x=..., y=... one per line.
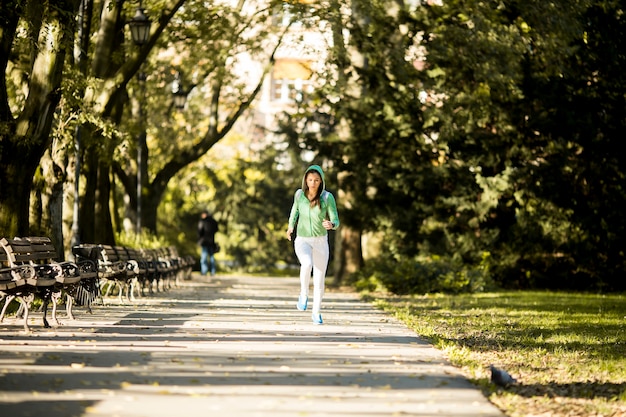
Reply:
x=567, y=351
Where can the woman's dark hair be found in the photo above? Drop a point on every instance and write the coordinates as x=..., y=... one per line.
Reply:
x=316, y=200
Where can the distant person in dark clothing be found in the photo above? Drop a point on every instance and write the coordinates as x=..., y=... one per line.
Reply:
x=207, y=227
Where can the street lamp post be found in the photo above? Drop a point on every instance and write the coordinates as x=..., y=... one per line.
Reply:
x=141, y=143
x=140, y=27
x=178, y=93
x=140, y=32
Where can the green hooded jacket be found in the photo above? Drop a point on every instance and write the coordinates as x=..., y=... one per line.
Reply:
x=309, y=218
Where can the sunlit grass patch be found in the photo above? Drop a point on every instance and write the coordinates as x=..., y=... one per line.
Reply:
x=568, y=351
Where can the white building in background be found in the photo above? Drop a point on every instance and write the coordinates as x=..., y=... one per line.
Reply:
x=298, y=61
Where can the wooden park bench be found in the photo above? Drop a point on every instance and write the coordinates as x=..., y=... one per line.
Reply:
x=82, y=292
x=136, y=270
x=18, y=283
x=166, y=269
x=132, y=271
x=112, y=269
x=147, y=270
x=33, y=264
x=129, y=270
x=184, y=265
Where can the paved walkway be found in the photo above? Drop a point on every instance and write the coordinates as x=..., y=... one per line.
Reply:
x=233, y=346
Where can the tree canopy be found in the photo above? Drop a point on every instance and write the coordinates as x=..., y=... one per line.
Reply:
x=487, y=130
x=484, y=134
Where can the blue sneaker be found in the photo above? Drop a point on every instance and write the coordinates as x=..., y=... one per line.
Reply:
x=317, y=318
x=302, y=303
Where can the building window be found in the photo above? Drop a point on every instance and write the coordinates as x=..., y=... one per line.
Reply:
x=291, y=80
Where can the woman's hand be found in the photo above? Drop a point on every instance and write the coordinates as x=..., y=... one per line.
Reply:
x=289, y=233
x=328, y=225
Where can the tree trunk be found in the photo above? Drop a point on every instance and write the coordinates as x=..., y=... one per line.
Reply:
x=349, y=256
x=95, y=214
x=16, y=177
x=350, y=253
x=55, y=216
x=103, y=224
x=150, y=210
x=28, y=135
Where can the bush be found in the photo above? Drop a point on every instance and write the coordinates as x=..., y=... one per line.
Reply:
x=412, y=276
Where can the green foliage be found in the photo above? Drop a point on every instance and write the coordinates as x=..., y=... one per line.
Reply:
x=454, y=129
x=144, y=240
x=422, y=276
x=257, y=210
x=250, y=199
x=499, y=135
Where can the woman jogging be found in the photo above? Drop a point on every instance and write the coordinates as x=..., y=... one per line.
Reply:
x=315, y=211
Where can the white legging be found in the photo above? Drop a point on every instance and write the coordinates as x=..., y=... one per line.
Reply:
x=312, y=252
